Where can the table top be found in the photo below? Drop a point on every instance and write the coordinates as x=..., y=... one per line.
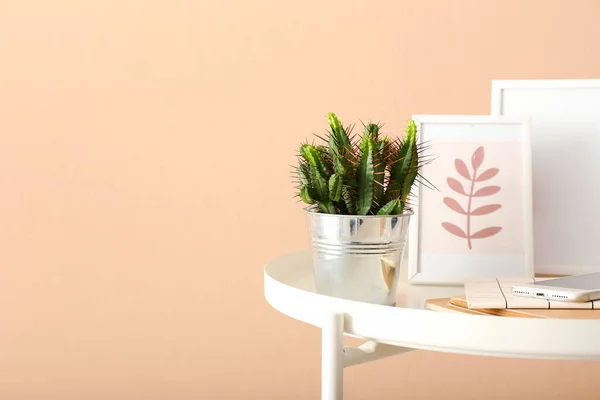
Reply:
x=289, y=288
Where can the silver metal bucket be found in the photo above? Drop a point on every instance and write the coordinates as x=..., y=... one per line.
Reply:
x=358, y=257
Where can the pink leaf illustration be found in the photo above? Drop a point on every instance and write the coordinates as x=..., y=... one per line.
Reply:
x=455, y=230
x=477, y=158
x=486, y=209
x=462, y=169
x=473, y=177
x=487, y=191
x=456, y=186
x=487, y=232
x=488, y=174
x=454, y=206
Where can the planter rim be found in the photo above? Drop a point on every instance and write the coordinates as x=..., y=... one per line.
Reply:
x=405, y=213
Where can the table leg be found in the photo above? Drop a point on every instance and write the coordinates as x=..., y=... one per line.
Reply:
x=332, y=357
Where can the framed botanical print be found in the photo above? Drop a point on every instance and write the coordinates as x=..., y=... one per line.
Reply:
x=475, y=219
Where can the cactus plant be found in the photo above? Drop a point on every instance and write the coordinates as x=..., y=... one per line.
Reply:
x=372, y=175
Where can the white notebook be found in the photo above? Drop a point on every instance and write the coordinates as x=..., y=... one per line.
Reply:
x=497, y=293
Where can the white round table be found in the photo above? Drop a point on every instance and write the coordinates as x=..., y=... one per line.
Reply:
x=388, y=330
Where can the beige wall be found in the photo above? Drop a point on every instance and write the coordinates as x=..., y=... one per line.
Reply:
x=144, y=151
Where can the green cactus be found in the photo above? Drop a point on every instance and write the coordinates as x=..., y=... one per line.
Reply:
x=349, y=197
x=380, y=161
x=365, y=177
x=339, y=142
x=393, y=207
x=335, y=187
x=374, y=177
x=314, y=157
x=404, y=169
x=305, y=195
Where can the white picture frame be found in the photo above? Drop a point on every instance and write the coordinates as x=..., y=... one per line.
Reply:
x=436, y=249
x=565, y=129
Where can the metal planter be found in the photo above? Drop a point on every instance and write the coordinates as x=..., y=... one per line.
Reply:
x=358, y=257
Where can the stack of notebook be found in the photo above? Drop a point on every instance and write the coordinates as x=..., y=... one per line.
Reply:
x=494, y=297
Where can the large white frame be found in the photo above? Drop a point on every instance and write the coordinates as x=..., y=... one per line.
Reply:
x=565, y=114
x=415, y=275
